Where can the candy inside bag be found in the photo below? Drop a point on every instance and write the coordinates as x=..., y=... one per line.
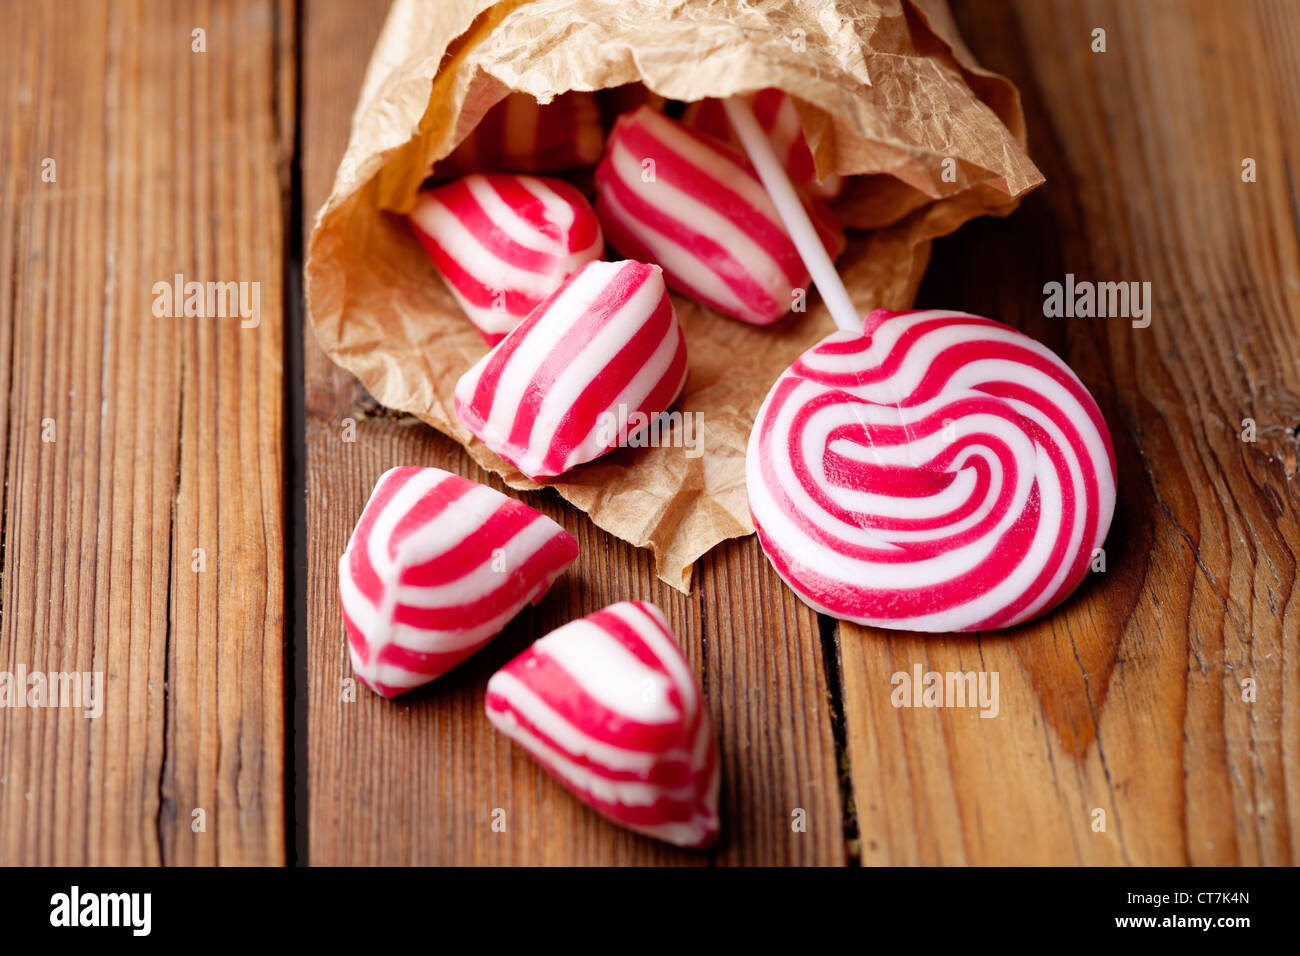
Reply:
x=379, y=309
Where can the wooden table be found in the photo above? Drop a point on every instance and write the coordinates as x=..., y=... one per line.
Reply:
x=156, y=528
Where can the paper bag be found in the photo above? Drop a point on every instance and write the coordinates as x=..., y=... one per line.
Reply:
x=888, y=96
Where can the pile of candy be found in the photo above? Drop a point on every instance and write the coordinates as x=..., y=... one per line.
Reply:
x=925, y=470
x=573, y=342
x=438, y=565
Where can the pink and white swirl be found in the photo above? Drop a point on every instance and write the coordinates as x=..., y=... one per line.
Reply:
x=672, y=195
x=609, y=705
x=503, y=243
x=939, y=472
x=774, y=109
x=603, y=347
x=435, y=568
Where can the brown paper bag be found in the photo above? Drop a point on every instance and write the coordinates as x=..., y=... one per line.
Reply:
x=888, y=96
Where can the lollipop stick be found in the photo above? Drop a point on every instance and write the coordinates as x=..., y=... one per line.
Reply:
x=793, y=214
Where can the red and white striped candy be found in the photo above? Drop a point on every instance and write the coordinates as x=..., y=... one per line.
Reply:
x=503, y=243
x=520, y=135
x=940, y=472
x=587, y=370
x=611, y=708
x=435, y=568
x=669, y=194
x=777, y=116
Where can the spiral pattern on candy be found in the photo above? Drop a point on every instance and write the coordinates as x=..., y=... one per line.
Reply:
x=776, y=115
x=503, y=243
x=588, y=369
x=435, y=568
x=671, y=195
x=610, y=706
x=939, y=472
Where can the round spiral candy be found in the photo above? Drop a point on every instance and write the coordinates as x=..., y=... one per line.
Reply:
x=939, y=472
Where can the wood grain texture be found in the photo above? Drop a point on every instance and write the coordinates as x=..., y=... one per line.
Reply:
x=169, y=435
x=166, y=433
x=1129, y=699
x=417, y=780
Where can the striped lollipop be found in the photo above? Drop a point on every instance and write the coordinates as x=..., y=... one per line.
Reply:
x=778, y=118
x=611, y=708
x=669, y=194
x=591, y=367
x=520, y=135
x=503, y=243
x=938, y=472
x=435, y=568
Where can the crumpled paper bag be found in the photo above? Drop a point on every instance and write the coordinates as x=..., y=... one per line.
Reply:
x=888, y=95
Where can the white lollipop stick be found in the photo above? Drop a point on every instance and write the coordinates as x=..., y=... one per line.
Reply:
x=793, y=214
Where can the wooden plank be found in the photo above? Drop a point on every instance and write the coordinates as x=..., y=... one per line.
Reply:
x=1129, y=699
x=167, y=435
x=168, y=438
x=417, y=780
